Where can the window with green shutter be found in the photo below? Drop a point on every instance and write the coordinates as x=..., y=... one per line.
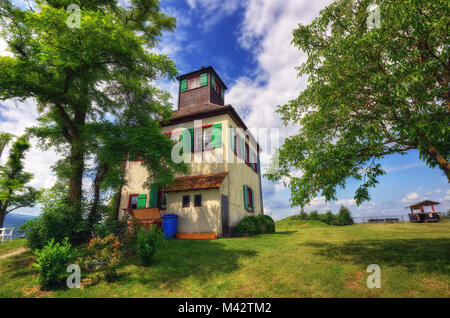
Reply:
x=245, y=197
x=153, y=196
x=242, y=148
x=186, y=136
x=232, y=139
x=142, y=201
x=183, y=86
x=204, y=79
x=217, y=135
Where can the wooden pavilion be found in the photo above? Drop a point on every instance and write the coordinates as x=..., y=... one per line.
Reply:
x=421, y=216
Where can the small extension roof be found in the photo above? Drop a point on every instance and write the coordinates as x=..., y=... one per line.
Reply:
x=199, y=182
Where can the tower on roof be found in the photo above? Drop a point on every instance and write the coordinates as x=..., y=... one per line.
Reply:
x=199, y=87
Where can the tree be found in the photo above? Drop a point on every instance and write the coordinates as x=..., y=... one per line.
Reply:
x=89, y=77
x=371, y=93
x=14, y=194
x=5, y=138
x=343, y=217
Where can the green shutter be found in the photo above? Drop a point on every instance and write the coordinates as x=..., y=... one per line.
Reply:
x=204, y=79
x=253, y=200
x=245, y=197
x=141, y=201
x=217, y=135
x=191, y=131
x=232, y=139
x=213, y=82
x=250, y=157
x=242, y=148
x=183, y=85
x=153, y=196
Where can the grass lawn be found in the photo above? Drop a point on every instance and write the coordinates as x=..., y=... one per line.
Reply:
x=303, y=259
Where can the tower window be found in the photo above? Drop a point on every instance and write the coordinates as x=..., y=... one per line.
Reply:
x=193, y=82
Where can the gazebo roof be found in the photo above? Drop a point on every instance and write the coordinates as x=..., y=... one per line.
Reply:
x=422, y=203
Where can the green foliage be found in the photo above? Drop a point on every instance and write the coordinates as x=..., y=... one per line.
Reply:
x=259, y=224
x=303, y=215
x=314, y=215
x=370, y=93
x=52, y=261
x=147, y=243
x=14, y=194
x=327, y=218
x=344, y=217
x=111, y=226
x=105, y=254
x=57, y=221
x=266, y=223
x=93, y=85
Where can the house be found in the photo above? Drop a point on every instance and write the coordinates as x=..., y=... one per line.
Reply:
x=224, y=181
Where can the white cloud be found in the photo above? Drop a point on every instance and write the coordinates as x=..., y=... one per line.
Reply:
x=410, y=197
x=15, y=117
x=345, y=202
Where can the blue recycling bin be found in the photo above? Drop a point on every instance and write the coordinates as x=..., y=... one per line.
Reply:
x=170, y=222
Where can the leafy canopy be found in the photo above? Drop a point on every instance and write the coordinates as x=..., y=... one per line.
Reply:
x=371, y=93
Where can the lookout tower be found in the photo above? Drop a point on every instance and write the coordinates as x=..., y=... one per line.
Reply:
x=200, y=87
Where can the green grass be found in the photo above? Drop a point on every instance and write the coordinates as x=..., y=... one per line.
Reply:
x=11, y=245
x=303, y=259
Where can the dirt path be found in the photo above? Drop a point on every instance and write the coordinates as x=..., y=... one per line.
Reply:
x=15, y=252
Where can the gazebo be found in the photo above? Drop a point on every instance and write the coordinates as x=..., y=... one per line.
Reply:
x=422, y=216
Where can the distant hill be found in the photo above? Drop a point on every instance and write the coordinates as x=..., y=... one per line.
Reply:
x=15, y=220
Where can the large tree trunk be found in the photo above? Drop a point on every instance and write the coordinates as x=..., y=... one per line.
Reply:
x=441, y=161
x=2, y=218
x=101, y=171
x=76, y=160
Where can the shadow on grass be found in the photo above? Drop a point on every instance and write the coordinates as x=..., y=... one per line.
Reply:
x=180, y=259
x=417, y=255
x=285, y=232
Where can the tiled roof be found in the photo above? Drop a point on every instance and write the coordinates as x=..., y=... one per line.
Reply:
x=203, y=181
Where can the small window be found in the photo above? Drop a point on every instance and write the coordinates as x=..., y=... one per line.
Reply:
x=203, y=138
x=193, y=83
x=198, y=200
x=186, y=201
x=133, y=201
x=162, y=196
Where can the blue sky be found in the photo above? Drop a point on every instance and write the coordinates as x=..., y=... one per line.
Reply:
x=248, y=43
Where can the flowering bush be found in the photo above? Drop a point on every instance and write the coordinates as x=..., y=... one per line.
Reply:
x=104, y=254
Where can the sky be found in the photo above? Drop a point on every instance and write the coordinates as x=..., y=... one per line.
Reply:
x=249, y=45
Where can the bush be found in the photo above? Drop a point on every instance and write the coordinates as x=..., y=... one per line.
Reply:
x=327, y=218
x=267, y=223
x=303, y=215
x=106, y=254
x=52, y=261
x=259, y=224
x=343, y=217
x=57, y=221
x=111, y=226
x=314, y=215
x=147, y=242
x=247, y=226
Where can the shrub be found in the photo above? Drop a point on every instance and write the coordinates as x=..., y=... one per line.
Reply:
x=314, y=215
x=57, y=221
x=147, y=242
x=344, y=217
x=267, y=223
x=247, y=226
x=106, y=254
x=259, y=224
x=327, y=218
x=111, y=226
x=52, y=261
